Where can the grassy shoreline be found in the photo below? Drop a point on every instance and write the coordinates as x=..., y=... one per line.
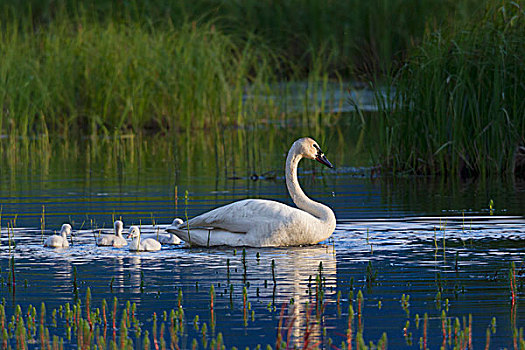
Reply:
x=71, y=69
x=460, y=101
x=371, y=35
x=134, y=66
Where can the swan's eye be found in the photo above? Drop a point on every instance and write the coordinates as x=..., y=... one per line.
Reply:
x=317, y=148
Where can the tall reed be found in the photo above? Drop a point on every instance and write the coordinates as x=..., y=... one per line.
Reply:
x=94, y=78
x=367, y=34
x=73, y=68
x=460, y=99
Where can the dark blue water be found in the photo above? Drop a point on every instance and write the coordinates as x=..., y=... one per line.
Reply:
x=394, y=237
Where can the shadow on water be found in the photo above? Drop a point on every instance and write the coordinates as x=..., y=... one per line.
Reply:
x=412, y=246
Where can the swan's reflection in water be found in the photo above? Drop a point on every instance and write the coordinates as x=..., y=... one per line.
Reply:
x=135, y=274
x=118, y=284
x=291, y=280
x=305, y=277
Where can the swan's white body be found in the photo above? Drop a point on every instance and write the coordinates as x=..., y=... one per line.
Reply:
x=166, y=238
x=115, y=240
x=265, y=223
x=136, y=244
x=60, y=240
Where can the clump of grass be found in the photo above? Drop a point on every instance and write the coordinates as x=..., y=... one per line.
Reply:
x=369, y=35
x=98, y=77
x=461, y=100
x=135, y=66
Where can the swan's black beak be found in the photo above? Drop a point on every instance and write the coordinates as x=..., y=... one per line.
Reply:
x=321, y=158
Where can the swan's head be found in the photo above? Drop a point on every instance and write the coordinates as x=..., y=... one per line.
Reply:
x=66, y=228
x=310, y=149
x=118, y=226
x=134, y=232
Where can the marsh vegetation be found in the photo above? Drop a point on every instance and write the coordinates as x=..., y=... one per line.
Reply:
x=107, y=68
x=453, y=68
x=150, y=110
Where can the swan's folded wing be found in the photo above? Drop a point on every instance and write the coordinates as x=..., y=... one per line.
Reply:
x=239, y=217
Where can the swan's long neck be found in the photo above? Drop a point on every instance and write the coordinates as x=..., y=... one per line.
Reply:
x=300, y=199
x=135, y=243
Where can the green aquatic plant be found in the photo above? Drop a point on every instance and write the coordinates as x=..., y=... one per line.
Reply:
x=106, y=68
x=342, y=35
x=512, y=282
x=43, y=223
x=90, y=335
x=186, y=198
x=405, y=305
x=98, y=89
x=459, y=101
x=273, y=273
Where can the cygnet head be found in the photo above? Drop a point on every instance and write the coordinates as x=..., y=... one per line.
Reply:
x=134, y=232
x=118, y=226
x=177, y=222
x=311, y=150
x=66, y=228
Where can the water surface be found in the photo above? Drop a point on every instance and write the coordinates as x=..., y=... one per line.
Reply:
x=395, y=236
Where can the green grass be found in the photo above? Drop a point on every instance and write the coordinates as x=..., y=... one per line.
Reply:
x=460, y=101
x=76, y=76
x=367, y=35
x=74, y=69
x=93, y=78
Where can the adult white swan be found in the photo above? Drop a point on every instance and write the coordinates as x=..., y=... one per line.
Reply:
x=115, y=240
x=265, y=223
x=60, y=240
x=149, y=244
